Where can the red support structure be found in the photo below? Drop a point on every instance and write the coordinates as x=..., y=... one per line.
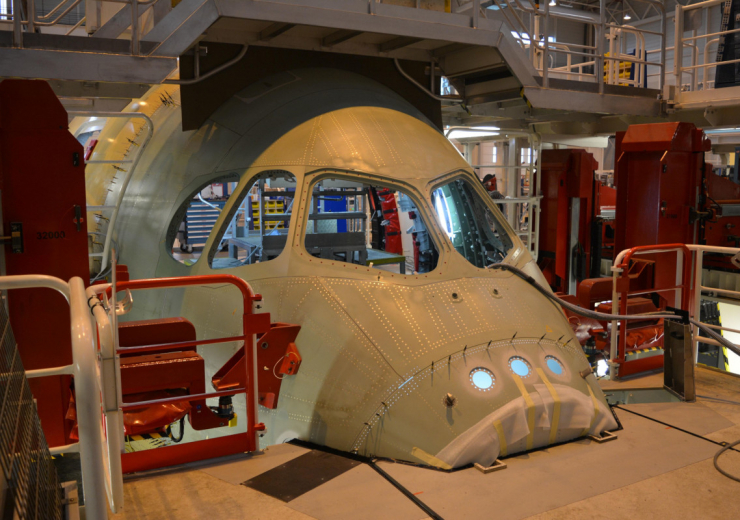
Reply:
x=199, y=450
x=42, y=190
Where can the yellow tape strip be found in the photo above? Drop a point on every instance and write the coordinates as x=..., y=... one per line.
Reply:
x=596, y=410
x=555, y=421
x=530, y=410
x=429, y=459
x=501, y=438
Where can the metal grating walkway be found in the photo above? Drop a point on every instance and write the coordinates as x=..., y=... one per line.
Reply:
x=30, y=475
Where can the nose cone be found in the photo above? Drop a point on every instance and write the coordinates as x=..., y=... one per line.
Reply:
x=488, y=400
x=444, y=373
x=506, y=377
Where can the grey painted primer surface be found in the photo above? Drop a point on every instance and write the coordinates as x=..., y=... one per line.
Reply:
x=380, y=350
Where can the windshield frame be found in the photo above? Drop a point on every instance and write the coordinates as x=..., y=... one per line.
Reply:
x=423, y=206
x=466, y=175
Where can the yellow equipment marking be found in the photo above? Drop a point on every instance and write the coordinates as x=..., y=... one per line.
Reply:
x=428, y=458
x=556, y=406
x=145, y=436
x=530, y=410
x=596, y=410
x=501, y=438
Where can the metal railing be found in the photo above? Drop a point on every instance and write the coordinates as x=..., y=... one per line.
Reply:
x=149, y=126
x=536, y=39
x=209, y=447
x=681, y=41
x=98, y=397
x=688, y=289
x=699, y=289
x=620, y=291
x=97, y=456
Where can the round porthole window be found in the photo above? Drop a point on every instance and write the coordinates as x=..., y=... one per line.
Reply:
x=482, y=379
x=520, y=366
x=554, y=364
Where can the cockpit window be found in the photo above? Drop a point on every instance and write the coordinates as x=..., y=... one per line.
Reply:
x=193, y=223
x=475, y=230
x=368, y=224
x=258, y=223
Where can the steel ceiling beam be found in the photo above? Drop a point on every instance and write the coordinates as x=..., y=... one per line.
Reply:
x=83, y=66
x=274, y=30
x=398, y=43
x=338, y=37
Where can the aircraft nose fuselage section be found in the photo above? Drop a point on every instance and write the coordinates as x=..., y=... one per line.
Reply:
x=446, y=365
x=402, y=372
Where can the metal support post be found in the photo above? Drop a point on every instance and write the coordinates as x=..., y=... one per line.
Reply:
x=698, y=266
x=546, y=47
x=135, y=27
x=92, y=15
x=31, y=16
x=476, y=13
x=512, y=181
x=601, y=34
x=663, y=29
x=677, y=46
x=17, y=28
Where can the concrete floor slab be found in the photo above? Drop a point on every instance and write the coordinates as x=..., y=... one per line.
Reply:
x=248, y=466
x=654, y=380
x=551, y=478
x=691, y=492
x=650, y=471
x=694, y=417
x=359, y=494
x=196, y=495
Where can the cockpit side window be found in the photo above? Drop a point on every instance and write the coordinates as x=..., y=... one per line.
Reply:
x=258, y=222
x=368, y=224
x=194, y=220
x=476, y=232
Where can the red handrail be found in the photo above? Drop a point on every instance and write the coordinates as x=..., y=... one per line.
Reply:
x=623, y=288
x=178, y=453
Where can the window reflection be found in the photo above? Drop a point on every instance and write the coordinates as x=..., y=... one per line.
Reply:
x=474, y=230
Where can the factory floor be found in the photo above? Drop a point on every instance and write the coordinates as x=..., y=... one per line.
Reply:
x=659, y=467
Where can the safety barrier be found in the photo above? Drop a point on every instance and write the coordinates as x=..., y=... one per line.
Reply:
x=96, y=371
x=688, y=289
x=207, y=448
x=699, y=251
x=99, y=477
x=541, y=47
x=620, y=292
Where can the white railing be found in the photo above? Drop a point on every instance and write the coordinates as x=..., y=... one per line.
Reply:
x=699, y=288
x=91, y=19
x=692, y=41
x=618, y=50
x=525, y=206
x=99, y=449
x=605, y=62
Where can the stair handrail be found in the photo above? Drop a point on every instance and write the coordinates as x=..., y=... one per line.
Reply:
x=97, y=478
x=149, y=124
